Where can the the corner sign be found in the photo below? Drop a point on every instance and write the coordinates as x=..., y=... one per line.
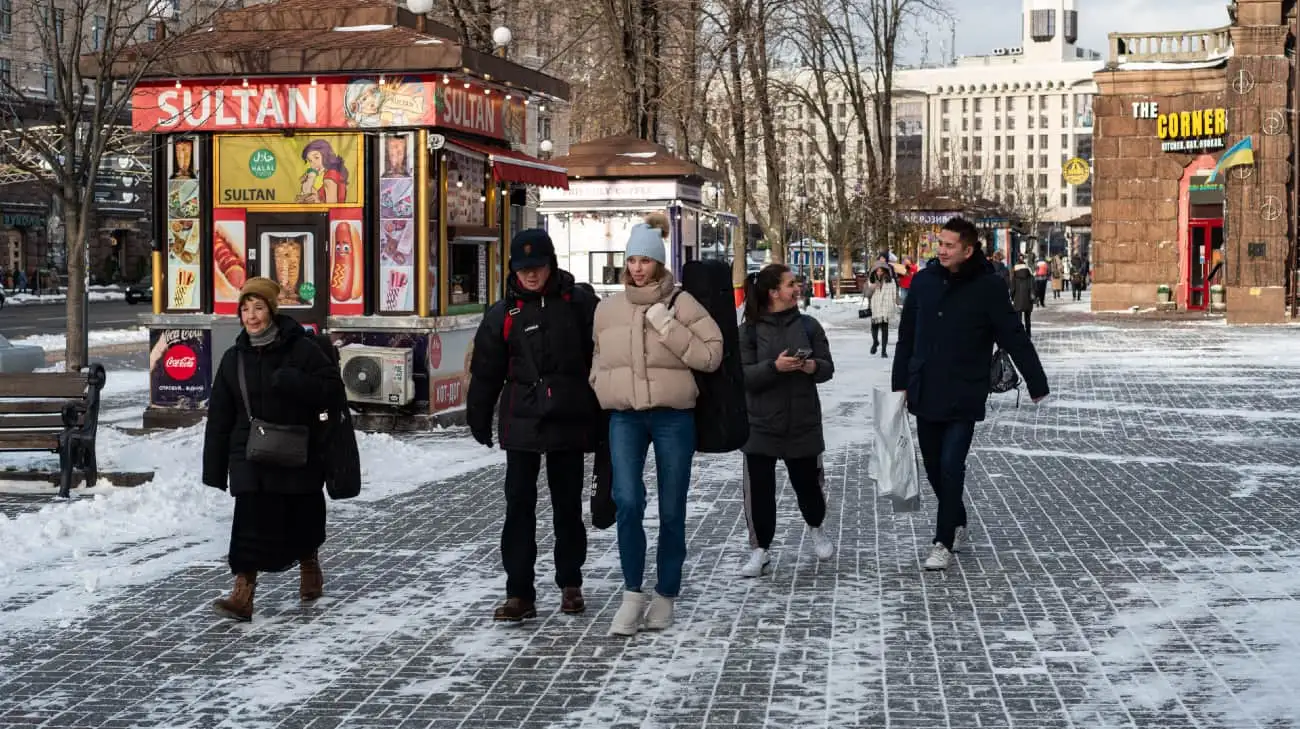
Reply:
x=1185, y=131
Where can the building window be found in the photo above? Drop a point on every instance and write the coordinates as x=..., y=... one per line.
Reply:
x=979, y=163
x=1029, y=160
x=979, y=144
x=1065, y=142
x=945, y=145
x=6, y=77
x=997, y=103
x=965, y=163
x=947, y=164
x=946, y=126
x=979, y=106
x=965, y=106
x=1011, y=123
x=965, y=144
x=1030, y=140
x=97, y=33
x=58, y=24
x=1065, y=199
x=997, y=162
x=1031, y=121
x=997, y=144
x=997, y=123
x=1042, y=161
x=48, y=72
x=1042, y=103
x=979, y=123
x=605, y=267
x=6, y=17
x=1083, y=110
x=1043, y=25
x=965, y=124
x=1011, y=161
x=152, y=33
x=1042, y=121
x=943, y=106
x=1011, y=103
x=1042, y=201
x=997, y=182
x=1042, y=182
x=1011, y=144
x=1010, y=181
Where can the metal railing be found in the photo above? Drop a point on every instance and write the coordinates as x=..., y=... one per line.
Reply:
x=1182, y=46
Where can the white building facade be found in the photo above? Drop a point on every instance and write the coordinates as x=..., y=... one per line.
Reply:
x=1000, y=126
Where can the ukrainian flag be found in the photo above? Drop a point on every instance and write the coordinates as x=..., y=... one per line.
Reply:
x=1241, y=153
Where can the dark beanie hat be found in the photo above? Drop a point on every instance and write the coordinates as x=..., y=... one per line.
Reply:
x=531, y=248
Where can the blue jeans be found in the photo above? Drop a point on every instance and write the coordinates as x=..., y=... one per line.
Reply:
x=673, y=434
x=944, y=448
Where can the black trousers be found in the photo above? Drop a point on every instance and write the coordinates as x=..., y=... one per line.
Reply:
x=1040, y=291
x=760, y=494
x=565, y=472
x=944, y=448
x=880, y=334
x=1026, y=315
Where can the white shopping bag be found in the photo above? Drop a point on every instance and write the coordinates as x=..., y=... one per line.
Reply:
x=893, y=455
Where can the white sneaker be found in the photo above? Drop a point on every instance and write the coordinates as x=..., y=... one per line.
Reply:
x=627, y=621
x=660, y=614
x=757, y=565
x=959, y=539
x=822, y=543
x=939, y=558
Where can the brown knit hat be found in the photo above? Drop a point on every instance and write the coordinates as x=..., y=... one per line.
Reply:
x=264, y=289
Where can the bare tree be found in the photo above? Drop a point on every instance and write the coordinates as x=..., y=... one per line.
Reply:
x=63, y=145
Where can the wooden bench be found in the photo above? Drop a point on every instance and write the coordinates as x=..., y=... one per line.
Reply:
x=56, y=412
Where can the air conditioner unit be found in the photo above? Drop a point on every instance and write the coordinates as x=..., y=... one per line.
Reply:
x=380, y=375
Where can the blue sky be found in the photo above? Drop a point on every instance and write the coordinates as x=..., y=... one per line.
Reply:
x=986, y=24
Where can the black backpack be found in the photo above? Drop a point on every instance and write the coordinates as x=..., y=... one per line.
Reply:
x=721, y=419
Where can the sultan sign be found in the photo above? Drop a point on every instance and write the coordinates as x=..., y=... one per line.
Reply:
x=1186, y=131
x=326, y=103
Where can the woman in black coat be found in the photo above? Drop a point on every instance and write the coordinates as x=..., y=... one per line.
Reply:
x=1022, y=293
x=785, y=355
x=279, y=510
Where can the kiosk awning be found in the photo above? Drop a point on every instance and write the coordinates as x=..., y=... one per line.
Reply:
x=511, y=166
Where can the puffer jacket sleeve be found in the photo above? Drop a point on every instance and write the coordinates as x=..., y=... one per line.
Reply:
x=487, y=369
x=759, y=375
x=693, y=336
x=222, y=412
x=311, y=378
x=821, y=348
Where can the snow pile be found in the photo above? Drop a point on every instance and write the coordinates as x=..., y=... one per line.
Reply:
x=97, y=293
x=98, y=338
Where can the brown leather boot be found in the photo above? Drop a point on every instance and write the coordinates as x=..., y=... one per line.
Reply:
x=515, y=609
x=238, y=605
x=311, y=581
x=571, y=602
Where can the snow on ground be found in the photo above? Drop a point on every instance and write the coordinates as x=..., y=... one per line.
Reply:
x=98, y=338
x=97, y=293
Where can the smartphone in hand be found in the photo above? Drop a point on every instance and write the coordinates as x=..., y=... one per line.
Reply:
x=802, y=353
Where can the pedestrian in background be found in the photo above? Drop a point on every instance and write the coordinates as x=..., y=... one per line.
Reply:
x=905, y=280
x=1042, y=274
x=883, y=294
x=1022, y=294
x=278, y=375
x=1078, y=278
x=1058, y=276
x=786, y=355
x=957, y=312
x=531, y=366
x=645, y=355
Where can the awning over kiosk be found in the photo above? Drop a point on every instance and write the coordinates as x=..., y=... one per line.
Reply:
x=510, y=166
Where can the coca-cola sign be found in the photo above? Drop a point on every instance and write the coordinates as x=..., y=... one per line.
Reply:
x=180, y=363
x=180, y=367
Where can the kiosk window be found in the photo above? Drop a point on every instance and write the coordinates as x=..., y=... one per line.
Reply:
x=606, y=267
x=465, y=295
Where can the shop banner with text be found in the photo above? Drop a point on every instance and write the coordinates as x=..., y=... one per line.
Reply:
x=305, y=170
x=229, y=259
x=347, y=263
x=327, y=103
x=180, y=368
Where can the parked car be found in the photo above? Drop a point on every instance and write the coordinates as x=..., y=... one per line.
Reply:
x=139, y=292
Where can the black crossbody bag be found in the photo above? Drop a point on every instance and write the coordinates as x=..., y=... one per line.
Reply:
x=272, y=444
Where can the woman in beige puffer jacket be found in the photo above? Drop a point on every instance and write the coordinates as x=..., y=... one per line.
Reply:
x=643, y=373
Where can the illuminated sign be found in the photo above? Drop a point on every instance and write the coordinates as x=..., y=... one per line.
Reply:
x=1186, y=131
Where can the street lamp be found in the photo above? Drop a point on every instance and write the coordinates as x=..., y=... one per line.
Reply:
x=501, y=37
x=546, y=146
x=420, y=7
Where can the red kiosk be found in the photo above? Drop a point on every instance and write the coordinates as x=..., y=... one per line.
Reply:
x=361, y=158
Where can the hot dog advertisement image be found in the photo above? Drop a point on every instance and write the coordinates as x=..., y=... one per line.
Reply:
x=347, y=269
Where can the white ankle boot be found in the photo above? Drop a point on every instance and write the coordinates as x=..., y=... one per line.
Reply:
x=627, y=621
x=757, y=564
x=660, y=614
x=822, y=543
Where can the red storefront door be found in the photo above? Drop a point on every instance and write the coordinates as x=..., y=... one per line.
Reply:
x=1204, y=256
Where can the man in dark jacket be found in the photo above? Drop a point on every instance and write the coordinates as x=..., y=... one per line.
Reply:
x=532, y=357
x=957, y=311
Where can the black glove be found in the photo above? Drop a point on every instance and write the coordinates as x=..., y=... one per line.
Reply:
x=483, y=436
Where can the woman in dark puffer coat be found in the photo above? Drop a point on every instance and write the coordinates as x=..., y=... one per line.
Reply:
x=279, y=511
x=785, y=414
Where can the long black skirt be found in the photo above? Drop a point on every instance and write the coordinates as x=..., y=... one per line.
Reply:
x=273, y=531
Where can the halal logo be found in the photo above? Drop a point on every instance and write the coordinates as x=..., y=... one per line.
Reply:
x=262, y=164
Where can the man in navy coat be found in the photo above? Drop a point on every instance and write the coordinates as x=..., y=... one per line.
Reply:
x=957, y=309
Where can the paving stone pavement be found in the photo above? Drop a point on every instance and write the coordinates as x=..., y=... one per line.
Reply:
x=1127, y=539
